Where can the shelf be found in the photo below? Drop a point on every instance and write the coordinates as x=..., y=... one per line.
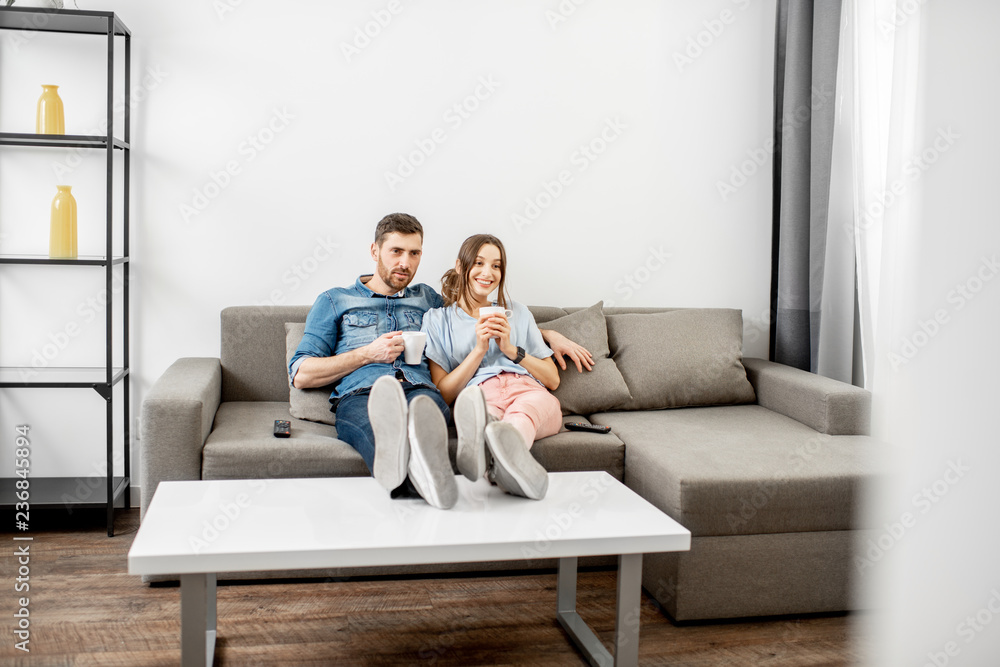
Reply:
x=81, y=260
x=95, y=377
x=50, y=492
x=60, y=140
x=61, y=20
x=110, y=491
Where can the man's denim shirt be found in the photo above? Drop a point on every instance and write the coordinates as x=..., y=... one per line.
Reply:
x=346, y=318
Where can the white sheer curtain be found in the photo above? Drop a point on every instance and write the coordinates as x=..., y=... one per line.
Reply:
x=881, y=56
x=860, y=194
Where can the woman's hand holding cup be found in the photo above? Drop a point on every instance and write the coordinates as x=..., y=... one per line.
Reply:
x=494, y=324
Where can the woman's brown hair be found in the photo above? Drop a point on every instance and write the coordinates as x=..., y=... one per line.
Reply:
x=455, y=284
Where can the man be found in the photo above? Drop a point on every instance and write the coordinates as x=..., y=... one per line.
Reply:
x=390, y=412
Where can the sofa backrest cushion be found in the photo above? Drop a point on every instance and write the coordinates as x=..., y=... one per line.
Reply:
x=703, y=349
x=253, y=351
x=253, y=347
x=681, y=358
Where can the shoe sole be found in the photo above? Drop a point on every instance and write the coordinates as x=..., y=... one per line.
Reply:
x=470, y=423
x=430, y=468
x=515, y=469
x=387, y=414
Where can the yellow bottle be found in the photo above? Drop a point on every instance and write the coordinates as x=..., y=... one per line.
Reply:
x=50, y=118
x=62, y=232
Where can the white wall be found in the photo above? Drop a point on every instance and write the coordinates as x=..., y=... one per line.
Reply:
x=215, y=76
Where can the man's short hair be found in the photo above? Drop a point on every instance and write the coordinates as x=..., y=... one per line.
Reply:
x=397, y=223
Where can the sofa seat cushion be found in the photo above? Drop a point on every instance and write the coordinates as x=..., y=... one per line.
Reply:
x=242, y=446
x=572, y=451
x=743, y=470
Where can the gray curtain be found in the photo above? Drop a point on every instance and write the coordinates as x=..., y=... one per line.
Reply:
x=805, y=78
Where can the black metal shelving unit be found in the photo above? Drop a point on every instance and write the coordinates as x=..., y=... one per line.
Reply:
x=66, y=491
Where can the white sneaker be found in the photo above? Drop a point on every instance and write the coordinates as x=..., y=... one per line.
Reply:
x=430, y=468
x=470, y=423
x=514, y=469
x=387, y=414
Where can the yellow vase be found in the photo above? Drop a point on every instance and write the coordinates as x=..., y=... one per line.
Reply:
x=50, y=118
x=62, y=232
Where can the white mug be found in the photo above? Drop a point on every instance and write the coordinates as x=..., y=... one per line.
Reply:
x=495, y=310
x=413, y=346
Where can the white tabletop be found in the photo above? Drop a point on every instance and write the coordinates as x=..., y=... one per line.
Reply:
x=244, y=525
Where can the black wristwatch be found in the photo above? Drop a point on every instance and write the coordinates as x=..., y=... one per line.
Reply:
x=520, y=355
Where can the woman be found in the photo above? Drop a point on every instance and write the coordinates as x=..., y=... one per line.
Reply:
x=497, y=371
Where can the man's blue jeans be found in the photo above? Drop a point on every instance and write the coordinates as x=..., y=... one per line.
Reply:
x=354, y=428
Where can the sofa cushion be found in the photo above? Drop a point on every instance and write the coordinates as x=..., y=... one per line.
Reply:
x=252, y=351
x=310, y=404
x=242, y=446
x=681, y=358
x=601, y=388
x=743, y=470
x=571, y=451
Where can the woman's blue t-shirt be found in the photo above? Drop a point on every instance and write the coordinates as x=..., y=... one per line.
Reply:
x=451, y=336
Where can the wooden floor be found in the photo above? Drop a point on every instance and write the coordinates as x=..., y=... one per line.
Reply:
x=86, y=610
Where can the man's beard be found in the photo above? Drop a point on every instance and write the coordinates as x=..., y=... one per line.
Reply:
x=392, y=281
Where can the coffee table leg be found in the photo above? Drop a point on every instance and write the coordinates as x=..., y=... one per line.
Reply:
x=570, y=620
x=627, y=610
x=198, y=620
x=626, y=613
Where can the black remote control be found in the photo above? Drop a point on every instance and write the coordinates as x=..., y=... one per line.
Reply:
x=282, y=428
x=589, y=428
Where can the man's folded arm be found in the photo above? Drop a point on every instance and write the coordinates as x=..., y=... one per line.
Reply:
x=320, y=371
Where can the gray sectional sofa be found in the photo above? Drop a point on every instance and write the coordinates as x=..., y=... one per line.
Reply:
x=766, y=465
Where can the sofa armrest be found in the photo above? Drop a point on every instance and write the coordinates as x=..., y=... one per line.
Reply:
x=177, y=416
x=829, y=406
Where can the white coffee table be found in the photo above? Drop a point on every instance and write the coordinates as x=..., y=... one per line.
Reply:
x=201, y=528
